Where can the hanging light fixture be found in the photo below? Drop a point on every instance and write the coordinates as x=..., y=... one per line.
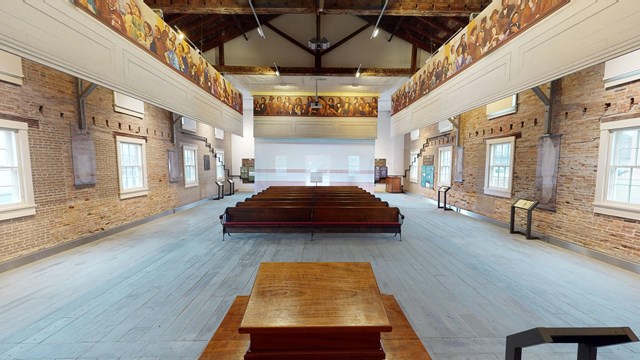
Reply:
x=358, y=71
x=376, y=30
x=260, y=31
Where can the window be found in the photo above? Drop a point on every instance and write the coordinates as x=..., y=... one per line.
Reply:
x=618, y=181
x=219, y=164
x=132, y=166
x=413, y=165
x=499, y=166
x=415, y=135
x=16, y=188
x=189, y=156
x=444, y=165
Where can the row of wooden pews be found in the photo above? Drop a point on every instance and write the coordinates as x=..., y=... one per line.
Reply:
x=303, y=209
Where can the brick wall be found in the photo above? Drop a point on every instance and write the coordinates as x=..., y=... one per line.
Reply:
x=66, y=212
x=578, y=107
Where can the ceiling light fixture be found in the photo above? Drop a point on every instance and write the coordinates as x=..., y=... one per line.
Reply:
x=358, y=71
x=376, y=30
x=260, y=31
x=315, y=44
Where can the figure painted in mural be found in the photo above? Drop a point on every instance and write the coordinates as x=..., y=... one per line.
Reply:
x=114, y=17
x=148, y=36
x=170, y=56
x=531, y=12
x=504, y=17
x=137, y=25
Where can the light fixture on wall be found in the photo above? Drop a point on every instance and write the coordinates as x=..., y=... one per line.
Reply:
x=277, y=71
x=182, y=37
x=260, y=31
x=315, y=44
x=376, y=30
x=358, y=71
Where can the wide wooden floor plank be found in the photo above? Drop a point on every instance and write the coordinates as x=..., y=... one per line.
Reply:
x=160, y=290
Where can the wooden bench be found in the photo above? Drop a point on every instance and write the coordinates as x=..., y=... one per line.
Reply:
x=307, y=203
x=299, y=219
x=401, y=343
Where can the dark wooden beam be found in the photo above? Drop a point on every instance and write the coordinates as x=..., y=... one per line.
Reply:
x=318, y=54
x=414, y=57
x=395, y=28
x=289, y=38
x=439, y=41
x=221, y=55
x=235, y=19
x=460, y=8
x=346, y=38
x=300, y=71
x=436, y=25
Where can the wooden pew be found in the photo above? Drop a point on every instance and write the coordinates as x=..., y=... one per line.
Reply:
x=401, y=343
x=307, y=203
x=358, y=220
x=311, y=219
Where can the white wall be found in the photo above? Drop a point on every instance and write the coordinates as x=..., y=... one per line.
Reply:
x=263, y=52
x=291, y=162
x=243, y=147
x=388, y=146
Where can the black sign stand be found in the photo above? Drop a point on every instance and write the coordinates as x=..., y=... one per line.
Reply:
x=528, y=205
x=232, y=189
x=443, y=190
x=220, y=186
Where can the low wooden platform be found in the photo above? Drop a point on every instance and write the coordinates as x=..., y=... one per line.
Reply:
x=401, y=343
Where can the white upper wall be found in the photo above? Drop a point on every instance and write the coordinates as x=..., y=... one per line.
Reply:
x=377, y=52
x=579, y=35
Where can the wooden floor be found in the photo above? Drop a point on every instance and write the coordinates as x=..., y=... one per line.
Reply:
x=159, y=291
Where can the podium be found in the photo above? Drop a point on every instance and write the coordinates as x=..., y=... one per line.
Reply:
x=393, y=184
x=315, y=311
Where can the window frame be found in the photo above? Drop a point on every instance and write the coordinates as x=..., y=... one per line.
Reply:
x=144, y=189
x=601, y=204
x=413, y=165
x=498, y=191
x=185, y=149
x=219, y=157
x=442, y=149
x=27, y=205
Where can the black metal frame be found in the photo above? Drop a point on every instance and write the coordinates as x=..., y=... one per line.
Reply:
x=588, y=339
x=529, y=210
x=220, y=186
x=232, y=189
x=440, y=190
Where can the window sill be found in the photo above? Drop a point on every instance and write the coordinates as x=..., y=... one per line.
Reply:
x=498, y=192
x=190, y=185
x=135, y=193
x=17, y=210
x=617, y=209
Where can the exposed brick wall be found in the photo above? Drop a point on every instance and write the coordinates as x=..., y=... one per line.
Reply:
x=47, y=101
x=578, y=107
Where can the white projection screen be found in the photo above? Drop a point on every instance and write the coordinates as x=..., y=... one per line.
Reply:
x=286, y=162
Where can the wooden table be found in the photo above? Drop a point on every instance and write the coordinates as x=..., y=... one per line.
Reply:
x=316, y=311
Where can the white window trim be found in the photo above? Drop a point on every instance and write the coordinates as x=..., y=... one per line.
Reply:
x=445, y=182
x=144, y=190
x=499, y=191
x=27, y=206
x=413, y=165
x=601, y=205
x=193, y=148
x=220, y=176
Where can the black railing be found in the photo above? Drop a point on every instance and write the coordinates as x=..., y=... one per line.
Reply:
x=588, y=339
